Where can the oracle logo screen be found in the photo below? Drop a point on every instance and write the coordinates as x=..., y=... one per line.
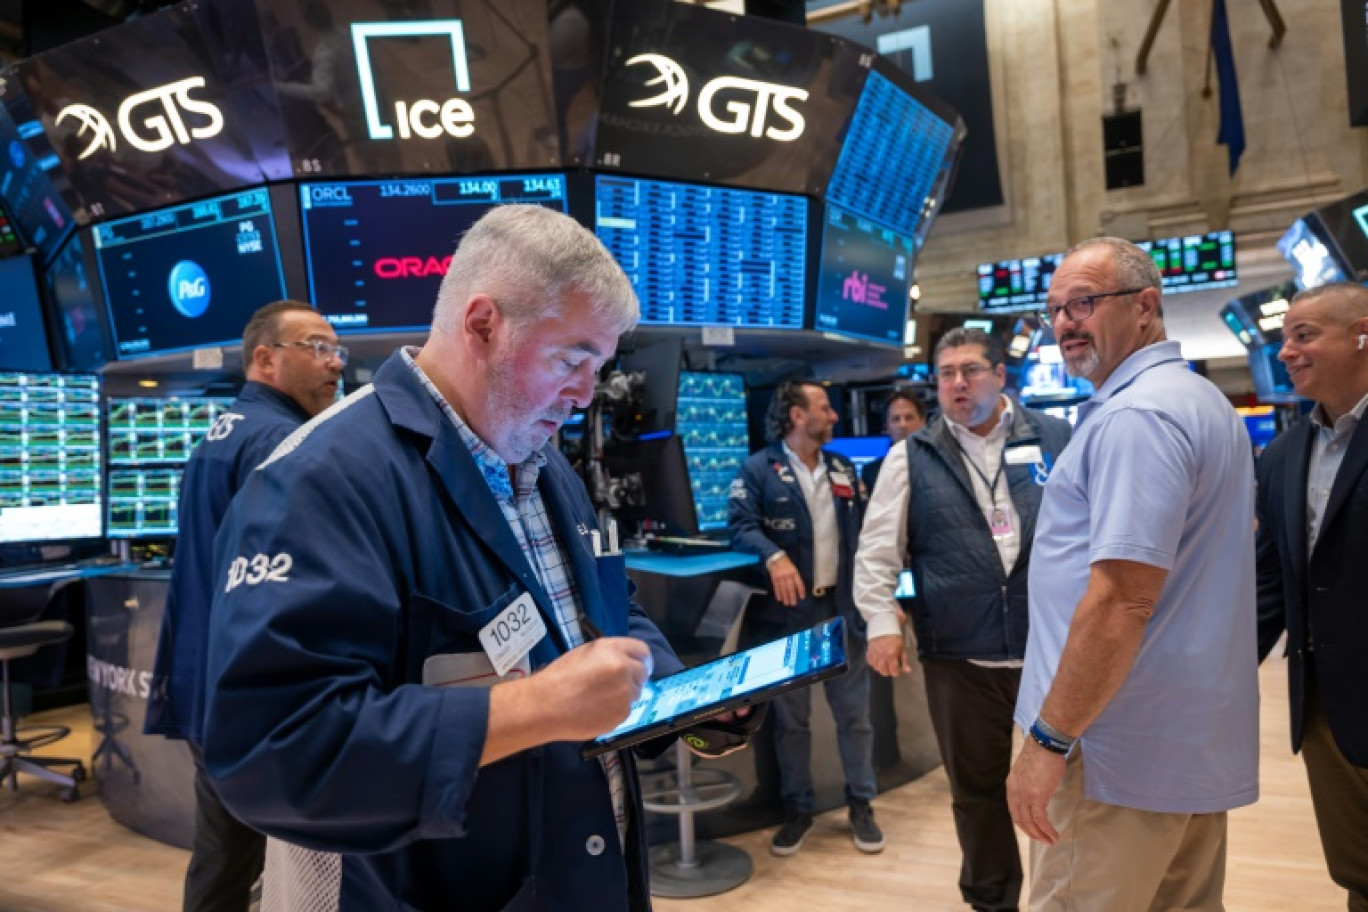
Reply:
x=377, y=250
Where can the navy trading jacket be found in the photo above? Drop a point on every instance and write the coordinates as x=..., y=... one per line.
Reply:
x=766, y=512
x=239, y=441
x=369, y=543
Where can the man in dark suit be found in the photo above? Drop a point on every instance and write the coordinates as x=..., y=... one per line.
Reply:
x=1313, y=567
x=904, y=415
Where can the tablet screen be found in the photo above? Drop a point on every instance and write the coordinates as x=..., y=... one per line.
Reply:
x=760, y=672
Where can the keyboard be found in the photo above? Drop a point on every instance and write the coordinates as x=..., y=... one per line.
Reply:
x=669, y=544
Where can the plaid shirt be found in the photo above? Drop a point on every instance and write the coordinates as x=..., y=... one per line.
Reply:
x=526, y=514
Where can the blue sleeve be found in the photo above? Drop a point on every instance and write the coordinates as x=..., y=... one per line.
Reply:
x=745, y=516
x=1141, y=474
x=311, y=736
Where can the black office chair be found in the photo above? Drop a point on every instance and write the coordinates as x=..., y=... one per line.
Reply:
x=21, y=635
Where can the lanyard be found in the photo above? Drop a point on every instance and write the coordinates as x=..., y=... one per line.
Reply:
x=991, y=485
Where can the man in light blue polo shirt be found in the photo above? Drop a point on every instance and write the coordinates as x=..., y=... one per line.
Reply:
x=1140, y=689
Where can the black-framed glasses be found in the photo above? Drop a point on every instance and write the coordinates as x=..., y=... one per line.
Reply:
x=1081, y=307
x=322, y=350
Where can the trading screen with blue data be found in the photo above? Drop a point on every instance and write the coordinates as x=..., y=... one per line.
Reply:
x=377, y=250
x=149, y=442
x=190, y=276
x=49, y=457
x=711, y=421
x=706, y=256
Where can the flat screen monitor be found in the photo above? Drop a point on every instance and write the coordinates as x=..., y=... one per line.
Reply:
x=23, y=338
x=81, y=324
x=149, y=431
x=711, y=421
x=1257, y=318
x=1271, y=382
x=1346, y=230
x=149, y=442
x=38, y=211
x=861, y=451
x=700, y=256
x=1195, y=262
x=1046, y=380
x=377, y=250
x=1012, y=285
x=862, y=290
x=49, y=457
x=652, y=476
x=189, y=276
x=1262, y=424
x=1304, y=246
x=9, y=238
x=898, y=158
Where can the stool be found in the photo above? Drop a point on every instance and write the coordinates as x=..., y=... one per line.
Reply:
x=17, y=642
x=689, y=868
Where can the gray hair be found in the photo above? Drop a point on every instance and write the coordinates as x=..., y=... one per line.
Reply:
x=527, y=258
x=1134, y=267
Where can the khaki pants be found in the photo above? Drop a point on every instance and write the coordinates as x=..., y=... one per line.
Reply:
x=1339, y=793
x=1116, y=859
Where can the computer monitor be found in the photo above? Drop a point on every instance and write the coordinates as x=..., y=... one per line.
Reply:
x=1194, y=262
x=1271, y=381
x=189, y=276
x=81, y=325
x=23, y=337
x=50, y=445
x=9, y=238
x=706, y=256
x=862, y=290
x=36, y=207
x=651, y=477
x=711, y=422
x=1012, y=285
x=149, y=442
x=861, y=451
x=1304, y=246
x=377, y=250
x=1046, y=381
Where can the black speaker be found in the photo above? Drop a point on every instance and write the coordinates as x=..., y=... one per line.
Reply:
x=1123, y=149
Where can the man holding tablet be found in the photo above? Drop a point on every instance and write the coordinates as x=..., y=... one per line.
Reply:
x=799, y=508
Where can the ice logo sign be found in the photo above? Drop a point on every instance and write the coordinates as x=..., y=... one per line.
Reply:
x=188, y=286
x=425, y=118
x=746, y=105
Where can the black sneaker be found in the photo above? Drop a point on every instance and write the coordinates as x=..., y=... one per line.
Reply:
x=868, y=837
x=789, y=837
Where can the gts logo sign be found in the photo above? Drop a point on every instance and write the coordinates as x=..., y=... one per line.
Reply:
x=188, y=287
x=745, y=105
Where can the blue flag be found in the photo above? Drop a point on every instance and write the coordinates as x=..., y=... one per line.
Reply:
x=1231, y=131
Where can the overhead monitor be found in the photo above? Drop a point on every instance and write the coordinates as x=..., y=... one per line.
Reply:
x=39, y=213
x=1012, y=285
x=711, y=421
x=49, y=457
x=10, y=244
x=1272, y=384
x=377, y=250
x=701, y=256
x=1195, y=262
x=1257, y=318
x=1346, y=230
x=898, y=158
x=23, y=338
x=190, y=276
x=81, y=338
x=1304, y=246
x=149, y=442
x=866, y=272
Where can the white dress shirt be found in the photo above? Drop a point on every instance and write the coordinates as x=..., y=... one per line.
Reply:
x=826, y=540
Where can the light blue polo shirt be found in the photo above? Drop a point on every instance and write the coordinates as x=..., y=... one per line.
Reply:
x=1159, y=471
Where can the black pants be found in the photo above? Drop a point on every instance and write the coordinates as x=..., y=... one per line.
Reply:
x=226, y=857
x=971, y=711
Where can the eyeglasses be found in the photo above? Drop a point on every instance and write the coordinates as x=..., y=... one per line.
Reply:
x=970, y=372
x=323, y=351
x=1081, y=307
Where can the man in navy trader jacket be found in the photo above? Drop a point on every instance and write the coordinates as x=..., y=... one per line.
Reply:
x=293, y=365
x=799, y=508
x=435, y=508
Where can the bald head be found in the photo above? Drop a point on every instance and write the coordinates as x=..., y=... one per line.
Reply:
x=1345, y=301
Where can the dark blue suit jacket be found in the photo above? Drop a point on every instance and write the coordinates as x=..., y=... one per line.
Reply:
x=380, y=545
x=1320, y=598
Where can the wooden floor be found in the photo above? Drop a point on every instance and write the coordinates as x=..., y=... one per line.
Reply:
x=56, y=857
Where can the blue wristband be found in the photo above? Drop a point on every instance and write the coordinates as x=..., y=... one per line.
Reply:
x=1051, y=740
